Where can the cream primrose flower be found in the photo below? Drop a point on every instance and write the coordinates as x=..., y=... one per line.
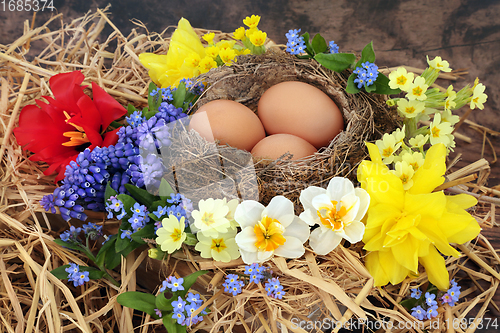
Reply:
x=440, y=131
x=399, y=134
x=171, y=235
x=405, y=172
x=417, y=90
x=410, y=109
x=439, y=63
x=449, y=102
x=211, y=219
x=269, y=231
x=414, y=159
x=419, y=141
x=222, y=248
x=478, y=97
x=387, y=147
x=337, y=210
x=401, y=79
x=448, y=117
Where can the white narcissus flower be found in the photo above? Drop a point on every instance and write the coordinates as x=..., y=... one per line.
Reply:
x=222, y=248
x=210, y=218
x=171, y=235
x=269, y=231
x=337, y=210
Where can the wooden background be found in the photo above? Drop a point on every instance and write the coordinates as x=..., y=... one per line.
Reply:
x=464, y=32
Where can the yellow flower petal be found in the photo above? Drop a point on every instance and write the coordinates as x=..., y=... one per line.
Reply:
x=372, y=263
x=430, y=174
x=392, y=268
x=436, y=269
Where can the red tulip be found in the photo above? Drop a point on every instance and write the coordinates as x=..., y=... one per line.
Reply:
x=57, y=131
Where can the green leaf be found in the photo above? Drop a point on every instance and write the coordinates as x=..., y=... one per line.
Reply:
x=141, y=195
x=371, y=88
x=138, y=301
x=179, y=95
x=130, y=109
x=309, y=48
x=172, y=326
x=409, y=303
x=153, y=101
x=352, y=88
x=382, y=86
x=189, y=281
x=128, y=201
x=367, y=54
x=110, y=192
x=163, y=303
x=73, y=246
x=108, y=246
x=111, y=258
x=60, y=272
x=319, y=44
x=337, y=62
x=165, y=189
x=149, y=114
x=147, y=232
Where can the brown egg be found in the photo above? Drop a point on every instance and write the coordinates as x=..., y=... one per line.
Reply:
x=229, y=122
x=276, y=145
x=300, y=109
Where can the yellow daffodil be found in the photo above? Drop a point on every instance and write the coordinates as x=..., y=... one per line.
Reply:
x=410, y=109
x=168, y=70
x=209, y=37
x=419, y=141
x=171, y=235
x=417, y=90
x=405, y=228
x=440, y=131
x=388, y=147
x=337, y=210
x=439, y=63
x=401, y=79
x=269, y=231
x=252, y=21
x=239, y=33
x=221, y=248
x=258, y=38
x=478, y=97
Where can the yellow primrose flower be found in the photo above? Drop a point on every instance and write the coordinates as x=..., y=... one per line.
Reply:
x=401, y=79
x=410, y=109
x=440, y=131
x=417, y=89
x=243, y=51
x=439, y=64
x=337, y=210
x=448, y=117
x=252, y=22
x=258, y=38
x=168, y=70
x=478, y=97
x=269, y=231
x=209, y=37
x=227, y=56
x=212, y=51
x=193, y=60
x=225, y=44
x=388, y=147
x=206, y=64
x=210, y=219
x=171, y=235
x=250, y=32
x=221, y=248
x=419, y=141
x=405, y=228
x=239, y=33
x=405, y=172
x=414, y=159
